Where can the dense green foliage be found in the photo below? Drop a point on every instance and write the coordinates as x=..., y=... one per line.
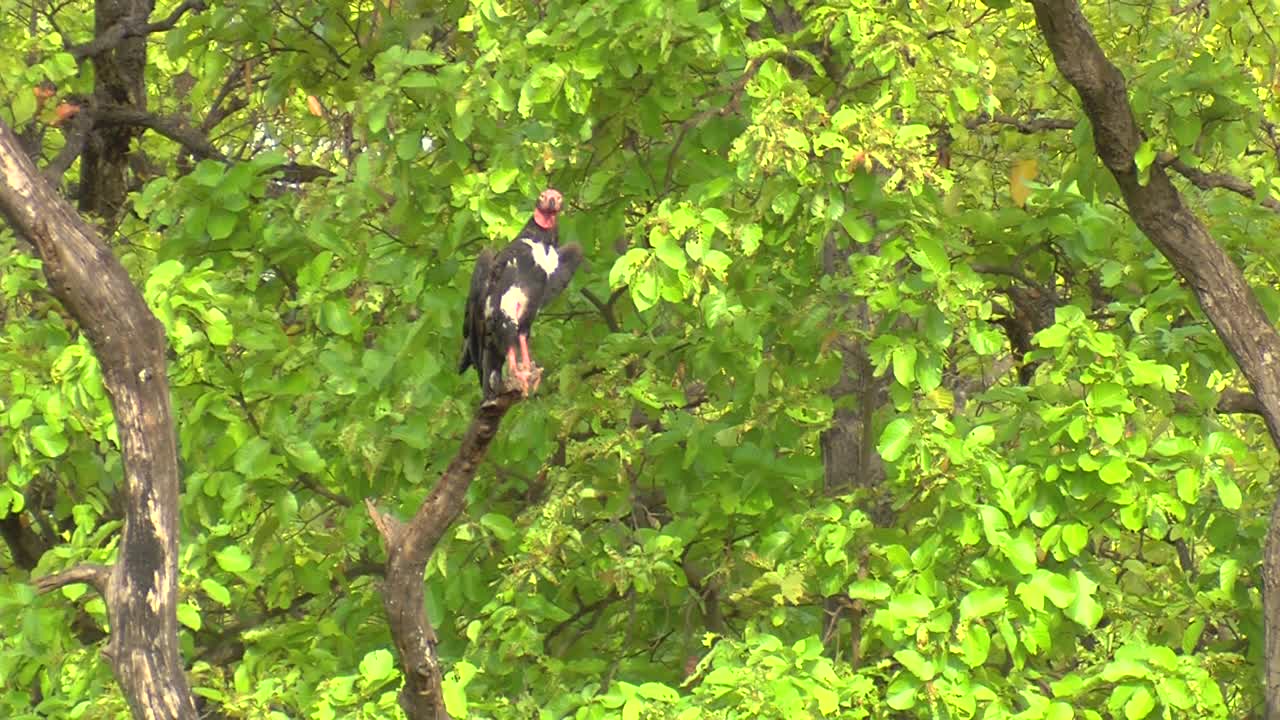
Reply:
x=655, y=534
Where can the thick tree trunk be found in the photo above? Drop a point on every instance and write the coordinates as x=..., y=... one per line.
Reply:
x=849, y=457
x=119, y=81
x=1271, y=614
x=1157, y=208
x=141, y=589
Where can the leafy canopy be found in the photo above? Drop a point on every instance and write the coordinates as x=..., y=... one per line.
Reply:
x=764, y=194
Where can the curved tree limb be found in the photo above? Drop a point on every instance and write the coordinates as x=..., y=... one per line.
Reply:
x=96, y=576
x=132, y=26
x=1027, y=126
x=1200, y=178
x=173, y=128
x=409, y=547
x=1210, y=180
x=1218, y=283
x=141, y=589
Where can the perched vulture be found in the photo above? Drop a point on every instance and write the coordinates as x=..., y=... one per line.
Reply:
x=506, y=293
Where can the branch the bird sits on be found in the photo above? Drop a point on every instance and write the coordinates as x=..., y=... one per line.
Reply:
x=507, y=291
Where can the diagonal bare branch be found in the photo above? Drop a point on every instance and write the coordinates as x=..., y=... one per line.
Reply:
x=77, y=134
x=409, y=547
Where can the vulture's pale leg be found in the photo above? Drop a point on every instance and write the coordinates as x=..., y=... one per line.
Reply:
x=528, y=361
x=519, y=373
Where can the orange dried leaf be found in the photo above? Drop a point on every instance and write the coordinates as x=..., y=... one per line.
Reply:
x=313, y=104
x=64, y=112
x=1023, y=172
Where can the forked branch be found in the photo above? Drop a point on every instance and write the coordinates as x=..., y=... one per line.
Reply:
x=409, y=547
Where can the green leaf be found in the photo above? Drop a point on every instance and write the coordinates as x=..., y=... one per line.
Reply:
x=304, y=456
x=1059, y=711
x=500, y=525
x=216, y=591
x=624, y=268
x=1115, y=471
x=895, y=439
x=1145, y=155
x=1228, y=572
x=337, y=317
x=501, y=180
x=1145, y=372
x=929, y=254
x=968, y=98
x=220, y=224
x=983, y=602
x=751, y=10
x=975, y=645
x=48, y=440
x=418, y=79
x=22, y=409
x=980, y=436
x=717, y=261
x=1110, y=428
x=1228, y=491
x=1107, y=395
x=1188, y=484
x=904, y=364
x=667, y=249
x=1085, y=610
x=901, y=693
x=907, y=133
x=377, y=665
x=1191, y=636
x=207, y=173
x=644, y=290
x=916, y=664
x=1140, y=704
x=869, y=589
x=1186, y=129
x=1052, y=336
x=1075, y=536
x=217, y=327
x=910, y=606
x=455, y=697
x=858, y=229
x=1021, y=551
x=232, y=559
x=189, y=615
x=255, y=460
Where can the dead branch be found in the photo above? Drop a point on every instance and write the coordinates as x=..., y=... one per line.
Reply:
x=409, y=547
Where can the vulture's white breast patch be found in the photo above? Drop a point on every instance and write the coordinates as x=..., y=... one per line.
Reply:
x=514, y=302
x=544, y=256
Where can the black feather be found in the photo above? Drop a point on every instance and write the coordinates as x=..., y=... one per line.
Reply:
x=473, y=321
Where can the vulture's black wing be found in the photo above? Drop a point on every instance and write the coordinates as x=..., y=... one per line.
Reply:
x=570, y=257
x=473, y=321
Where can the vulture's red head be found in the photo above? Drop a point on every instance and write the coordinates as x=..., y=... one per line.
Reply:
x=548, y=207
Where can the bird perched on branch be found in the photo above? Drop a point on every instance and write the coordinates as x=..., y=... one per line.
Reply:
x=508, y=290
